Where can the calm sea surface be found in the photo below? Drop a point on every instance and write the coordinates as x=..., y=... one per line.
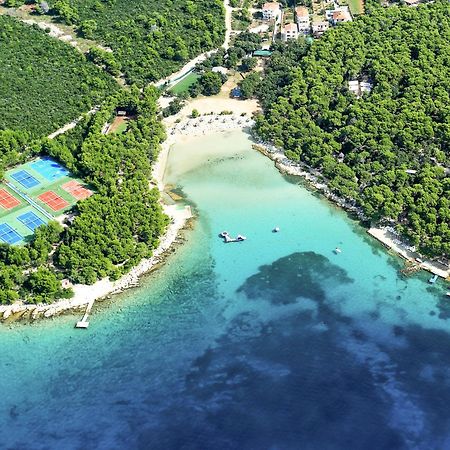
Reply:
x=273, y=343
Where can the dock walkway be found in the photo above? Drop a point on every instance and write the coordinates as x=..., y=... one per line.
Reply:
x=84, y=322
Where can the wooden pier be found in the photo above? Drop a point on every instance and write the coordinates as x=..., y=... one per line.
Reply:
x=84, y=322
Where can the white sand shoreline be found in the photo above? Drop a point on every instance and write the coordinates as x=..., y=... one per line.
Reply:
x=83, y=294
x=180, y=126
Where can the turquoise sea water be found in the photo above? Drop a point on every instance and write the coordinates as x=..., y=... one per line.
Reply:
x=273, y=343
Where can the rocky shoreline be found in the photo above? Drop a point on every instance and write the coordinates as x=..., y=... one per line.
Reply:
x=386, y=235
x=104, y=288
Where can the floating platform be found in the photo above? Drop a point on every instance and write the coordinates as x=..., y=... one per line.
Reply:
x=227, y=238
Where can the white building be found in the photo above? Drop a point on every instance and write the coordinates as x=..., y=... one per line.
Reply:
x=353, y=87
x=319, y=27
x=220, y=69
x=289, y=31
x=302, y=19
x=271, y=10
x=338, y=15
x=359, y=87
x=365, y=86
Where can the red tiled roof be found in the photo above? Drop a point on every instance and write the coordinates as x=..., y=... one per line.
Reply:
x=290, y=27
x=271, y=6
x=301, y=11
x=339, y=15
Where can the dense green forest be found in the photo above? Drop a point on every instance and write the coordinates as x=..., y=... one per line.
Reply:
x=44, y=83
x=388, y=149
x=112, y=230
x=121, y=224
x=150, y=38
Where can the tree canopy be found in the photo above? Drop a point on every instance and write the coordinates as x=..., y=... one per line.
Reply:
x=150, y=39
x=387, y=149
x=44, y=83
x=111, y=230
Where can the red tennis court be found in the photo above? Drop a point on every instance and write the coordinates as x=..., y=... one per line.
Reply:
x=53, y=200
x=76, y=190
x=7, y=201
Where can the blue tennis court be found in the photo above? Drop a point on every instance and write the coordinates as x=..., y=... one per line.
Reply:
x=31, y=220
x=8, y=235
x=25, y=179
x=49, y=169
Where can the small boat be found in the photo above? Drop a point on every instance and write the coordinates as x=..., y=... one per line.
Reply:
x=337, y=250
x=448, y=294
x=240, y=237
x=224, y=233
x=276, y=230
x=433, y=279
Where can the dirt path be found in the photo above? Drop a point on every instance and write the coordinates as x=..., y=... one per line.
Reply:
x=62, y=32
x=72, y=124
x=228, y=27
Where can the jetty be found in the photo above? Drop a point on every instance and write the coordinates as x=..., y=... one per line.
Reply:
x=227, y=238
x=84, y=322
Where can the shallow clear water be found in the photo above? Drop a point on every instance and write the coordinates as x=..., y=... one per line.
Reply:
x=275, y=342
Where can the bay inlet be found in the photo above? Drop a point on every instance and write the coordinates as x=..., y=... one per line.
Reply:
x=274, y=342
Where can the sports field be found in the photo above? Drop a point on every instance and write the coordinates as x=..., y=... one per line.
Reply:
x=34, y=193
x=184, y=84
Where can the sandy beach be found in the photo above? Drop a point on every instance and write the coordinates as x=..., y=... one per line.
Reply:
x=212, y=119
x=178, y=127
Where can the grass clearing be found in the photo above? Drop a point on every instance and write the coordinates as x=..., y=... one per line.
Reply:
x=119, y=125
x=184, y=84
x=356, y=7
x=121, y=128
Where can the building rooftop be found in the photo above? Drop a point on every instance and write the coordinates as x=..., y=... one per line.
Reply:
x=321, y=23
x=340, y=15
x=301, y=11
x=290, y=27
x=262, y=52
x=271, y=6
